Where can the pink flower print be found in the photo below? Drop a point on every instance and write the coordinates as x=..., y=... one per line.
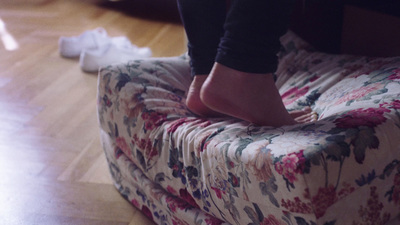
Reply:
x=140, y=143
x=359, y=93
x=395, y=104
x=370, y=117
x=314, y=78
x=153, y=119
x=271, y=220
x=391, y=105
x=301, y=161
x=218, y=192
x=135, y=203
x=290, y=162
x=213, y=221
x=171, y=190
x=173, y=126
x=372, y=212
x=293, y=94
x=146, y=211
x=345, y=191
x=145, y=146
x=176, y=203
x=279, y=167
x=203, y=141
x=171, y=205
x=297, y=206
x=290, y=177
x=177, y=221
x=204, y=123
x=150, y=150
x=395, y=76
x=325, y=197
x=290, y=165
x=121, y=144
x=184, y=194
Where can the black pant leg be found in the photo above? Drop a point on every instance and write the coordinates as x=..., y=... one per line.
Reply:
x=203, y=21
x=252, y=32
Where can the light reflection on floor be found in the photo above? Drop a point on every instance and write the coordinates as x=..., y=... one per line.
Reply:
x=9, y=42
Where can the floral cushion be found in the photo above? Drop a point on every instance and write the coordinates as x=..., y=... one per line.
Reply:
x=182, y=169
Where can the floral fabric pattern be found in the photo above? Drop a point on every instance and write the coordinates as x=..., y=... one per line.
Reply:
x=178, y=168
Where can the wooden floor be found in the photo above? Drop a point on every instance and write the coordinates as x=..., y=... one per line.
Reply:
x=52, y=168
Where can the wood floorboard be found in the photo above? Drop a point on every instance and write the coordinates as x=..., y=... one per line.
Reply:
x=52, y=167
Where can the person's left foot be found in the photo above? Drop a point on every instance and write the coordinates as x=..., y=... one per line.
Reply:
x=193, y=100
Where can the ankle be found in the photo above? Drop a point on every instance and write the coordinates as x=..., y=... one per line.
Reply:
x=248, y=96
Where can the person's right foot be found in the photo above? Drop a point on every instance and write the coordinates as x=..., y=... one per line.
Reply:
x=306, y=115
x=248, y=96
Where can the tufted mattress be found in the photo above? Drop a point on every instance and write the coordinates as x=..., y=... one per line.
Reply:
x=178, y=168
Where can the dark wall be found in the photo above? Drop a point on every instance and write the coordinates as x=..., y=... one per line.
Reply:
x=320, y=22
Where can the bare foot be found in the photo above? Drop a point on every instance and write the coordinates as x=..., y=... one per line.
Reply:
x=306, y=115
x=193, y=101
x=248, y=96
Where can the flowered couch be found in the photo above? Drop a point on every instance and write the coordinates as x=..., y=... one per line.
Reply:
x=178, y=168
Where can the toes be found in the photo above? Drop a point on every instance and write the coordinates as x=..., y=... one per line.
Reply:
x=307, y=118
x=298, y=113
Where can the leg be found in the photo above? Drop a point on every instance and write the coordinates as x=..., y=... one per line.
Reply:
x=247, y=58
x=203, y=21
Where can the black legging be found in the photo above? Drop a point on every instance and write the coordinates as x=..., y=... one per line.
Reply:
x=243, y=36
